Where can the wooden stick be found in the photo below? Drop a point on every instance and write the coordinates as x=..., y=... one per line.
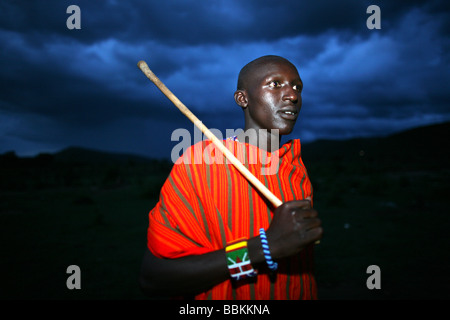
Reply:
x=218, y=143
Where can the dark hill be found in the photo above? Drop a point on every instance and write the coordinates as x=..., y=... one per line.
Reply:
x=78, y=167
x=83, y=155
x=423, y=147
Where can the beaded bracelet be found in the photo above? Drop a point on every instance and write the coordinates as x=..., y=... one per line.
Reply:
x=270, y=263
x=238, y=261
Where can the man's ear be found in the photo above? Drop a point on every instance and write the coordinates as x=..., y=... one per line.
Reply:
x=240, y=96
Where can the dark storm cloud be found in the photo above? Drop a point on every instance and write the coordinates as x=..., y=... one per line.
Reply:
x=62, y=87
x=183, y=23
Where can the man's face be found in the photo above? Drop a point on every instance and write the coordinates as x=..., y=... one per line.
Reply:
x=274, y=97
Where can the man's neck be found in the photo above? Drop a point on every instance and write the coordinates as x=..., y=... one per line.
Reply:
x=268, y=140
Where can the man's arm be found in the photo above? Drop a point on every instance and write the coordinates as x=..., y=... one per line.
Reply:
x=181, y=276
x=189, y=275
x=294, y=226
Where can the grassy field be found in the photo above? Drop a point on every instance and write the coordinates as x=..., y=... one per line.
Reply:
x=101, y=228
x=396, y=229
x=375, y=210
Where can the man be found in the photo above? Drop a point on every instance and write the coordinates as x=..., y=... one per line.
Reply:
x=205, y=234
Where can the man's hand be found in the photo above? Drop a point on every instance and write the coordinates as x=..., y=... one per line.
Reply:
x=294, y=226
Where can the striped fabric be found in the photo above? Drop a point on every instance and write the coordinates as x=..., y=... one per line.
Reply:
x=203, y=207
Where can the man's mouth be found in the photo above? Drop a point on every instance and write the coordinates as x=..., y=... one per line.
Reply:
x=289, y=114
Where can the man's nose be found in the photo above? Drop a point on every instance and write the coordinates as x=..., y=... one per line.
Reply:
x=290, y=94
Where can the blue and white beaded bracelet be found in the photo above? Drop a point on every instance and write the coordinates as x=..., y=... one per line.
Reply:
x=265, y=245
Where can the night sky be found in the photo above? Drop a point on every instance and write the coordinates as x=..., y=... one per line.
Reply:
x=81, y=87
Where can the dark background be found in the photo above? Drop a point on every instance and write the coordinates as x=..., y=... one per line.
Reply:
x=85, y=138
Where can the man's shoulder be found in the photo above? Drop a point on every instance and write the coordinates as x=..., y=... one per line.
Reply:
x=195, y=153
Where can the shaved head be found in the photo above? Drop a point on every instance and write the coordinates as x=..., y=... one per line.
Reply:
x=247, y=72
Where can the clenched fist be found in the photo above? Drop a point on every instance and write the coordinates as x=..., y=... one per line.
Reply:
x=294, y=226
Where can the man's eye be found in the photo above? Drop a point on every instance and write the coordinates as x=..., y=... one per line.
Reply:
x=297, y=88
x=275, y=84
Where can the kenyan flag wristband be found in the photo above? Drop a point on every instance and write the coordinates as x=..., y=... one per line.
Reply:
x=238, y=261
